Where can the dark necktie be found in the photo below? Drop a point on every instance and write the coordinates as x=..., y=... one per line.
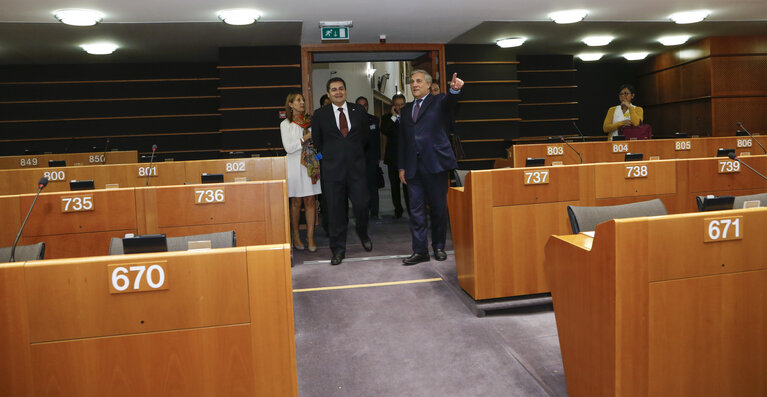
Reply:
x=416, y=109
x=342, y=124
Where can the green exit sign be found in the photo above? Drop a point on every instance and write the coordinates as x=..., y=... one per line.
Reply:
x=335, y=32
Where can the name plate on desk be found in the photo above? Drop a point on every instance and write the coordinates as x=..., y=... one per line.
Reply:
x=722, y=229
x=536, y=177
x=620, y=147
x=728, y=166
x=138, y=277
x=682, y=145
x=557, y=150
x=636, y=171
x=235, y=166
x=209, y=196
x=744, y=142
x=77, y=203
x=150, y=171
x=55, y=176
x=28, y=162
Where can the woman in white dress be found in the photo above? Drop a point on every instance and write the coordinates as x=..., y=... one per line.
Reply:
x=303, y=182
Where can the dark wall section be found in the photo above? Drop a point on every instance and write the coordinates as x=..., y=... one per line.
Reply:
x=598, y=84
x=254, y=84
x=75, y=108
x=487, y=117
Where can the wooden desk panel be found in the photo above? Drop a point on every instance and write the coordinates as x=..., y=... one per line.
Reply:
x=254, y=169
x=638, y=316
x=76, y=245
x=611, y=180
x=509, y=186
x=705, y=177
x=12, y=215
x=72, y=300
x=254, y=356
x=612, y=151
x=41, y=160
x=134, y=175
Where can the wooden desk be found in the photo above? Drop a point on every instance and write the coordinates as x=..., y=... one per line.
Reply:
x=41, y=160
x=649, y=308
x=500, y=225
x=604, y=151
x=256, y=211
x=223, y=327
x=135, y=175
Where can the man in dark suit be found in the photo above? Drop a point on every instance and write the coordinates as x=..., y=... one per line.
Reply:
x=425, y=158
x=340, y=133
x=372, y=157
x=390, y=129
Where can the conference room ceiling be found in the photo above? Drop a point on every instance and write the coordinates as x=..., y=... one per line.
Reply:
x=189, y=31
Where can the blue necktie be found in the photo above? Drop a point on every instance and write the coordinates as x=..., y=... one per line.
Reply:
x=416, y=109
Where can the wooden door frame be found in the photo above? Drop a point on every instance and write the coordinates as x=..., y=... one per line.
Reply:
x=307, y=51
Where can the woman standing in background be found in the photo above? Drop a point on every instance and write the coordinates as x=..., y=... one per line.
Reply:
x=302, y=168
x=625, y=114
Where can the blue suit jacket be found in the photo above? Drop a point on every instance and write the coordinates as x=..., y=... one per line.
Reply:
x=427, y=137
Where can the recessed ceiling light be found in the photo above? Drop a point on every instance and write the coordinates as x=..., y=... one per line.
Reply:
x=674, y=40
x=78, y=16
x=635, y=56
x=597, y=41
x=689, y=16
x=568, y=16
x=511, y=42
x=102, y=48
x=239, y=16
x=590, y=56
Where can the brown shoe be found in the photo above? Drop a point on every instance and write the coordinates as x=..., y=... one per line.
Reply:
x=311, y=246
x=297, y=244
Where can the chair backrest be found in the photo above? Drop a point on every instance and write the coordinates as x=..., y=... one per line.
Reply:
x=23, y=253
x=739, y=200
x=217, y=240
x=460, y=176
x=584, y=219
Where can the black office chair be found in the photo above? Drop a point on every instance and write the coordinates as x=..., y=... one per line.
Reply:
x=584, y=219
x=23, y=253
x=217, y=240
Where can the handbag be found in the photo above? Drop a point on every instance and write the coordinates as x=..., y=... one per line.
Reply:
x=642, y=131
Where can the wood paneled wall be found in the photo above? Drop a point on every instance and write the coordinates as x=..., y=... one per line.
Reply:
x=704, y=88
x=255, y=81
x=75, y=108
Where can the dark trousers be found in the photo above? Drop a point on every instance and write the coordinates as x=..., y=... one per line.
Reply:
x=431, y=189
x=372, y=179
x=395, y=190
x=336, y=193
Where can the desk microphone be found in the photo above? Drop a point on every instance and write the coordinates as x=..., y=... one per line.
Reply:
x=151, y=159
x=736, y=158
x=583, y=138
x=105, y=152
x=40, y=185
x=740, y=125
x=561, y=138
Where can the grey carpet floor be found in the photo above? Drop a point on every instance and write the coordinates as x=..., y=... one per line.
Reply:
x=413, y=335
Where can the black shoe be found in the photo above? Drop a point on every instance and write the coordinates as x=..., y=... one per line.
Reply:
x=397, y=214
x=366, y=243
x=415, y=258
x=336, y=259
x=440, y=254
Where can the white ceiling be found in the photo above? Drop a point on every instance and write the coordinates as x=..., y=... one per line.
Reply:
x=426, y=21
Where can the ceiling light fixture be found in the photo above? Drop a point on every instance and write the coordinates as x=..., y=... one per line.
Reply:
x=568, y=16
x=597, y=41
x=239, y=16
x=689, y=16
x=511, y=42
x=78, y=16
x=590, y=56
x=102, y=48
x=674, y=40
x=635, y=56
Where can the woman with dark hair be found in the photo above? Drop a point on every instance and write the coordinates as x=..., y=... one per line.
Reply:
x=302, y=168
x=625, y=114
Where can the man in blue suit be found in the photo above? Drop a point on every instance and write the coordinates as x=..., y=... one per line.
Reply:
x=424, y=160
